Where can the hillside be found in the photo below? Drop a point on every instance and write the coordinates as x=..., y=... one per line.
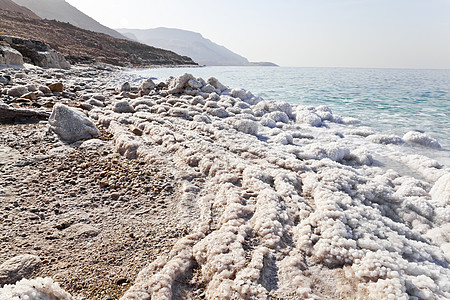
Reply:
x=62, y=11
x=79, y=44
x=192, y=44
x=10, y=5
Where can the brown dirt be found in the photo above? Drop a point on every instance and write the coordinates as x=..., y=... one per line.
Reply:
x=93, y=217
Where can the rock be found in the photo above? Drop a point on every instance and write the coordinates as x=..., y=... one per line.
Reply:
x=147, y=85
x=71, y=124
x=44, y=89
x=195, y=84
x=123, y=107
x=177, y=85
x=81, y=230
x=5, y=79
x=18, y=267
x=216, y=84
x=125, y=87
x=135, y=130
x=17, y=91
x=30, y=96
x=56, y=87
x=9, y=56
x=9, y=114
x=416, y=137
x=208, y=89
x=36, y=52
x=308, y=117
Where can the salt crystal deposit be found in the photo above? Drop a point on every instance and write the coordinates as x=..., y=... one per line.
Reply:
x=282, y=201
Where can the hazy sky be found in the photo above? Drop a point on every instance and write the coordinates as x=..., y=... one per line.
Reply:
x=328, y=33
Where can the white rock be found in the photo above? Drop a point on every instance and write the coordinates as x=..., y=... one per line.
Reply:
x=147, y=85
x=416, y=137
x=123, y=106
x=71, y=124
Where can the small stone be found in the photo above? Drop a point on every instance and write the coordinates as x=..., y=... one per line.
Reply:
x=30, y=96
x=56, y=87
x=135, y=130
x=17, y=91
x=126, y=87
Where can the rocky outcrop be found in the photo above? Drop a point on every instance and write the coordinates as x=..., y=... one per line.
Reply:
x=36, y=52
x=10, y=114
x=9, y=56
x=79, y=45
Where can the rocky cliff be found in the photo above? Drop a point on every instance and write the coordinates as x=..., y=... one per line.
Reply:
x=31, y=51
x=82, y=45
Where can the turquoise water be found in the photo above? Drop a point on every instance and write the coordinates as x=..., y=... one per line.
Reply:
x=392, y=101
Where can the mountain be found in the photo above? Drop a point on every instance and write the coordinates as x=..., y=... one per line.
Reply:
x=83, y=45
x=12, y=6
x=188, y=43
x=62, y=11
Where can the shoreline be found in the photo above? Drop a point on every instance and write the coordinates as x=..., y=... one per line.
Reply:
x=232, y=196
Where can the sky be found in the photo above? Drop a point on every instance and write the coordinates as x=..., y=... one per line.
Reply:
x=306, y=33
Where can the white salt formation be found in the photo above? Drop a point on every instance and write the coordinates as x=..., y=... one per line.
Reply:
x=285, y=202
x=275, y=204
x=36, y=289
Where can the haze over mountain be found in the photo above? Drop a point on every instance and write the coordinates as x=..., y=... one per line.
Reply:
x=188, y=43
x=62, y=11
x=10, y=5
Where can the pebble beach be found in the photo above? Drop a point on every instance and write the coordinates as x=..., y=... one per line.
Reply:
x=114, y=187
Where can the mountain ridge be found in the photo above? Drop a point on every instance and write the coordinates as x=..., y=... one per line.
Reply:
x=188, y=43
x=62, y=11
x=12, y=6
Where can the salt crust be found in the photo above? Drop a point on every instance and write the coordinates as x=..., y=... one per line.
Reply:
x=267, y=200
x=36, y=289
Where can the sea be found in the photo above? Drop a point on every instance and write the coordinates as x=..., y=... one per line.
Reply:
x=392, y=101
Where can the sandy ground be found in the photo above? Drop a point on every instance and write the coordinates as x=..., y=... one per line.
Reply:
x=93, y=217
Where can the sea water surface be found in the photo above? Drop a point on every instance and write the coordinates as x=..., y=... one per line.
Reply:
x=392, y=101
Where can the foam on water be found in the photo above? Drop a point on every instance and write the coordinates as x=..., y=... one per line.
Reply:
x=390, y=100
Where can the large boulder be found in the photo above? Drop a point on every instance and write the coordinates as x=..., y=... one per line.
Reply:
x=17, y=268
x=9, y=56
x=71, y=124
x=36, y=52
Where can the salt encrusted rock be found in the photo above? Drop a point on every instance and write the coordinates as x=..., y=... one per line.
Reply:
x=123, y=107
x=71, y=124
x=385, y=139
x=195, y=84
x=216, y=84
x=441, y=190
x=17, y=268
x=308, y=117
x=125, y=87
x=147, y=85
x=177, y=85
x=421, y=139
x=208, y=89
x=17, y=91
x=36, y=289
